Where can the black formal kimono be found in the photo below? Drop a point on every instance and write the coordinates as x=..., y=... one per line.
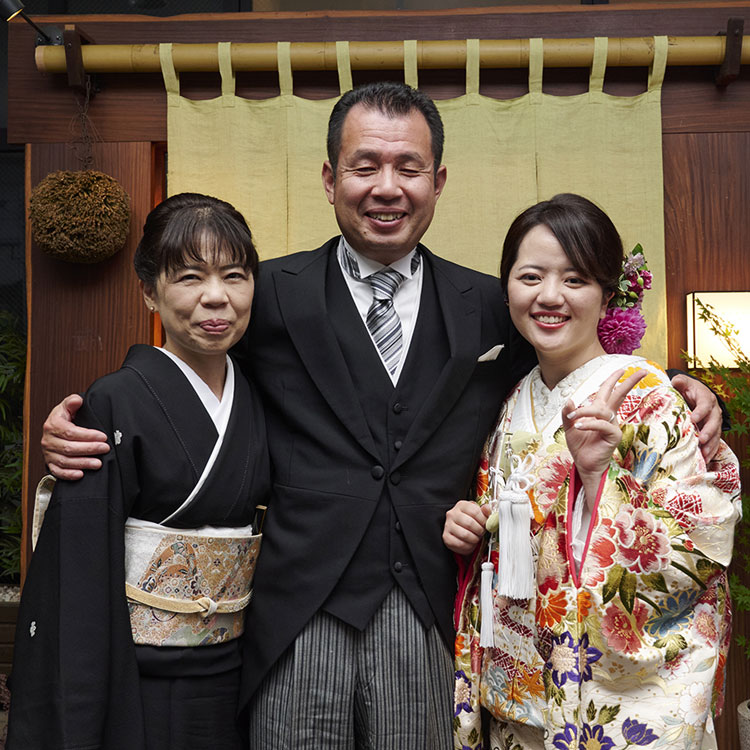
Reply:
x=78, y=679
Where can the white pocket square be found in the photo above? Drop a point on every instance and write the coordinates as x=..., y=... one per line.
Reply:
x=491, y=354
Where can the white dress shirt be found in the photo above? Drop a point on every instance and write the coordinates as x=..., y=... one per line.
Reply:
x=405, y=300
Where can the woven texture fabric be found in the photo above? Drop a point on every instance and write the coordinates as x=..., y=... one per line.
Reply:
x=265, y=157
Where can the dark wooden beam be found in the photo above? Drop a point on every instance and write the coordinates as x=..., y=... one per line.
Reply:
x=730, y=68
x=133, y=108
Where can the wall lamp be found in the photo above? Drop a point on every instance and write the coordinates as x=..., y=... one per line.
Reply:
x=49, y=35
x=703, y=344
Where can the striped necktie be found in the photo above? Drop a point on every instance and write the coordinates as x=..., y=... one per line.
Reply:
x=382, y=319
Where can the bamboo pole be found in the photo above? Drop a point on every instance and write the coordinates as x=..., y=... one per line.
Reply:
x=447, y=54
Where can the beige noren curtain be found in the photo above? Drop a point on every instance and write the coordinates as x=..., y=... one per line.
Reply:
x=265, y=157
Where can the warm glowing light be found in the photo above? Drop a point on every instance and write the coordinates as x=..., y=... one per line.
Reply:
x=703, y=343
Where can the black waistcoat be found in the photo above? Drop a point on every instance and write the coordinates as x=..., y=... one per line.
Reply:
x=383, y=556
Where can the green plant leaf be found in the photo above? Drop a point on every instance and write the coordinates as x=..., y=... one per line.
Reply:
x=12, y=370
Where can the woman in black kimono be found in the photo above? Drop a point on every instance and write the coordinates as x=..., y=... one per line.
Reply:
x=169, y=513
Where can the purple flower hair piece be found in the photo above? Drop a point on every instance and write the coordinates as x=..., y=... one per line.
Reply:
x=621, y=330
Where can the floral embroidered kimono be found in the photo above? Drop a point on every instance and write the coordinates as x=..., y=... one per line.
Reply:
x=627, y=646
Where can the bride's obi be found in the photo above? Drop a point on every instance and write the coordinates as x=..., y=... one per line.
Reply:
x=188, y=587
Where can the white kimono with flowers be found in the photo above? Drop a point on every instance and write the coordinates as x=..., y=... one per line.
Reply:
x=627, y=648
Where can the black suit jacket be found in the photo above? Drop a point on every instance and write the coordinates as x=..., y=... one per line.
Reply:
x=328, y=474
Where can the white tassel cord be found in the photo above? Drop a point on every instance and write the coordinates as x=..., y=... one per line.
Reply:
x=505, y=533
x=486, y=607
x=516, y=566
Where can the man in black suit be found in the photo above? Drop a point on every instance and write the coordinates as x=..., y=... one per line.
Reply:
x=369, y=457
x=382, y=368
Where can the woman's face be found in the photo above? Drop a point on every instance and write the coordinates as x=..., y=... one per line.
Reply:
x=204, y=307
x=554, y=307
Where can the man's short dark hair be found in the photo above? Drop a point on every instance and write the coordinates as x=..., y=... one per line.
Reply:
x=392, y=99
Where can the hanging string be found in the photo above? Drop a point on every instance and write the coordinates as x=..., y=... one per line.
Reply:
x=83, y=131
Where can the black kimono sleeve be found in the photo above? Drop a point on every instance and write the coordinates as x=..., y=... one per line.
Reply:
x=75, y=678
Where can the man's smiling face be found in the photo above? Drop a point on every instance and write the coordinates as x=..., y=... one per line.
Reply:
x=385, y=187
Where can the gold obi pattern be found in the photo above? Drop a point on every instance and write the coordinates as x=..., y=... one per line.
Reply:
x=188, y=587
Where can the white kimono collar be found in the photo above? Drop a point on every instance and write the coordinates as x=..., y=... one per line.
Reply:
x=218, y=410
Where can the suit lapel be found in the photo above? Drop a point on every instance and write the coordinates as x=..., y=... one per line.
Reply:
x=302, y=300
x=460, y=306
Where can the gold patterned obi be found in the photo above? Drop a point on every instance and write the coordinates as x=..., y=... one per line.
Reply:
x=188, y=587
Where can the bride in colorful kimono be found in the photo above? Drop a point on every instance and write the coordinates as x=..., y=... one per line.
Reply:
x=169, y=518
x=594, y=612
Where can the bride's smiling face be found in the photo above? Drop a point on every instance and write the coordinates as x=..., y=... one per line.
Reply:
x=554, y=307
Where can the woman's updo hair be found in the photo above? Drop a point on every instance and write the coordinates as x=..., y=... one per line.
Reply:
x=584, y=231
x=192, y=228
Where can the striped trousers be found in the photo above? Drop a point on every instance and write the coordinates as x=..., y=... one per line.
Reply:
x=388, y=687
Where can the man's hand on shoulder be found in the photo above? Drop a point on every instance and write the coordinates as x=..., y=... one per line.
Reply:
x=704, y=411
x=67, y=448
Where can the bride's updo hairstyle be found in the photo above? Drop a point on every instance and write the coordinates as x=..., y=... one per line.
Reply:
x=192, y=228
x=584, y=231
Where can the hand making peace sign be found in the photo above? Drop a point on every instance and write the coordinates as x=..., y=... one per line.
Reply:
x=593, y=432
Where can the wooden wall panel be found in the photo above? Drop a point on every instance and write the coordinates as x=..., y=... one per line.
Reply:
x=706, y=221
x=82, y=318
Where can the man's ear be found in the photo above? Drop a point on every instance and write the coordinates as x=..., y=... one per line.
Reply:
x=329, y=181
x=440, y=177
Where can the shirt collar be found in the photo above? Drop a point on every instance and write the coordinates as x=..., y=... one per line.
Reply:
x=367, y=267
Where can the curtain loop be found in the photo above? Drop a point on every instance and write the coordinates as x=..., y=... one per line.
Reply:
x=659, y=65
x=472, y=66
x=411, y=71
x=284, y=62
x=598, y=65
x=536, y=68
x=171, y=79
x=344, y=65
x=228, y=79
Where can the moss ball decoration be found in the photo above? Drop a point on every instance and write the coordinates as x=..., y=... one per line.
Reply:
x=81, y=217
